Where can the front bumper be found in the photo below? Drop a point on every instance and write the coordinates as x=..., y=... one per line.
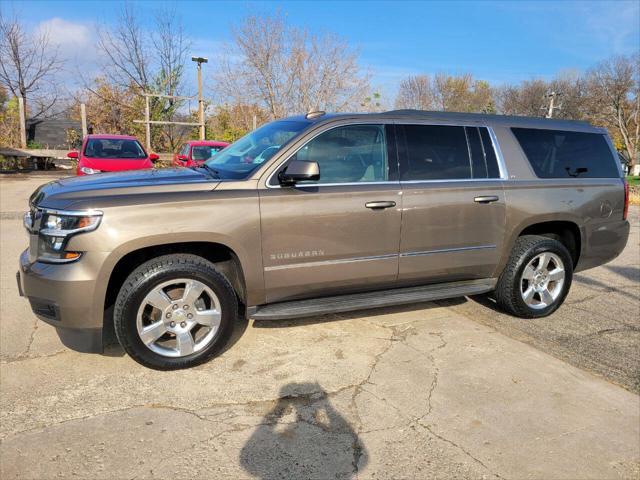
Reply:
x=62, y=295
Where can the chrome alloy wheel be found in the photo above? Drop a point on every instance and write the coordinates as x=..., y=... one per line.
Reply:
x=178, y=317
x=542, y=280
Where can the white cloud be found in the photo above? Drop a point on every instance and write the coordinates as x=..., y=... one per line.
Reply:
x=76, y=46
x=66, y=34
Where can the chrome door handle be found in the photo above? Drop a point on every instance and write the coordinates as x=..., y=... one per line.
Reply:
x=379, y=205
x=486, y=199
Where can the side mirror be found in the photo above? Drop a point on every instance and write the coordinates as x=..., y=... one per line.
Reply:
x=154, y=157
x=72, y=154
x=298, y=171
x=183, y=158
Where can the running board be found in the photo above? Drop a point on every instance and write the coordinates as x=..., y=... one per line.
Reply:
x=375, y=299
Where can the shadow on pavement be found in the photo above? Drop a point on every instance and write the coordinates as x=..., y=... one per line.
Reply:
x=592, y=282
x=629, y=273
x=303, y=436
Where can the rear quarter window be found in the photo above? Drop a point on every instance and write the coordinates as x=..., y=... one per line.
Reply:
x=566, y=154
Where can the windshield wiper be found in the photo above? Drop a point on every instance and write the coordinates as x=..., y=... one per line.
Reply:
x=214, y=173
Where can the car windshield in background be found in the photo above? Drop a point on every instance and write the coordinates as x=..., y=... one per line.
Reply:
x=201, y=153
x=114, y=148
x=242, y=157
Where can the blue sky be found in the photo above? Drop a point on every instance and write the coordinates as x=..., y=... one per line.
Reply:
x=502, y=42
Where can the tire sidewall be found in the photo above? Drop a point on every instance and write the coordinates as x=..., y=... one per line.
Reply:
x=126, y=328
x=551, y=246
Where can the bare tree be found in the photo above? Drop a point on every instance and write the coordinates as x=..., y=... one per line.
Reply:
x=462, y=93
x=444, y=92
x=572, y=89
x=531, y=97
x=287, y=70
x=142, y=62
x=170, y=49
x=28, y=62
x=126, y=49
x=528, y=98
x=614, y=91
x=415, y=92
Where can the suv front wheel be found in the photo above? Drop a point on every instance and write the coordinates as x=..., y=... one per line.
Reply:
x=174, y=311
x=537, y=277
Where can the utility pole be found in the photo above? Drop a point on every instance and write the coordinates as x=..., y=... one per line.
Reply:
x=552, y=96
x=200, y=61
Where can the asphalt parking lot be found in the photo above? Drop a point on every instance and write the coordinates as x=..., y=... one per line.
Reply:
x=436, y=390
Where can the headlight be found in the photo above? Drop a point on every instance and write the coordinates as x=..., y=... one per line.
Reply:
x=55, y=228
x=89, y=171
x=63, y=224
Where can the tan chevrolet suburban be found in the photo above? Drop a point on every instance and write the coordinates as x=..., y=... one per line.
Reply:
x=324, y=213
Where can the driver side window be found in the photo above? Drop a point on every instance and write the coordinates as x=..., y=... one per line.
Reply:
x=349, y=154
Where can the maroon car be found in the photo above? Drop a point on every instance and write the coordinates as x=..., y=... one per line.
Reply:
x=195, y=152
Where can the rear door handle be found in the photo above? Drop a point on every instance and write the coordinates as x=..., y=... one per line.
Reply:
x=486, y=199
x=379, y=205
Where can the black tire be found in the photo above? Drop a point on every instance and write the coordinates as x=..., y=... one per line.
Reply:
x=507, y=290
x=152, y=273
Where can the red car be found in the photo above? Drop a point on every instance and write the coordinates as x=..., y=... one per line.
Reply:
x=196, y=152
x=111, y=153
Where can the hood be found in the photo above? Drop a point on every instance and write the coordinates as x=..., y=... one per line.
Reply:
x=92, y=191
x=116, y=164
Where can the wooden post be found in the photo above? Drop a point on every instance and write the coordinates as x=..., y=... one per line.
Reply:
x=83, y=119
x=147, y=124
x=255, y=122
x=23, y=125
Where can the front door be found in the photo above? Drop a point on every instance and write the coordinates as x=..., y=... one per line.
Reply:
x=453, y=219
x=330, y=236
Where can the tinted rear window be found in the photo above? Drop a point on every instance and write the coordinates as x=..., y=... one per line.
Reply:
x=564, y=154
x=442, y=152
x=436, y=152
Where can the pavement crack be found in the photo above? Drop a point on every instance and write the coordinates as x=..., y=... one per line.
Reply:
x=357, y=390
x=177, y=409
x=454, y=444
x=432, y=389
x=22, y=358
x=31, y=338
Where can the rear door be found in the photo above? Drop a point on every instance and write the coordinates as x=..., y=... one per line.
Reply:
x=453, y=218
x=342, y=232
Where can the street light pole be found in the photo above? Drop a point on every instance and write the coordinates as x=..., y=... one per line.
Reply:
x=200, y=61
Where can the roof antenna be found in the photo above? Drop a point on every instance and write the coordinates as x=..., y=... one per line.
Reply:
x=314, y=113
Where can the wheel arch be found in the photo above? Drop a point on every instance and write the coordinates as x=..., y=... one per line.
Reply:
x=566, y=232
x=124, y=260
x=563, y=228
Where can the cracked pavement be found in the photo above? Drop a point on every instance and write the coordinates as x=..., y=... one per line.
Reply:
x=425, y=391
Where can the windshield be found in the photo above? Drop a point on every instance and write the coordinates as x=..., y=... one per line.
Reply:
x=114, y=148
x=242, y=157
x=204, y=152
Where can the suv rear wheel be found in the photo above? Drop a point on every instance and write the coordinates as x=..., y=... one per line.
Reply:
x=174, y=311
x=537, y=277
